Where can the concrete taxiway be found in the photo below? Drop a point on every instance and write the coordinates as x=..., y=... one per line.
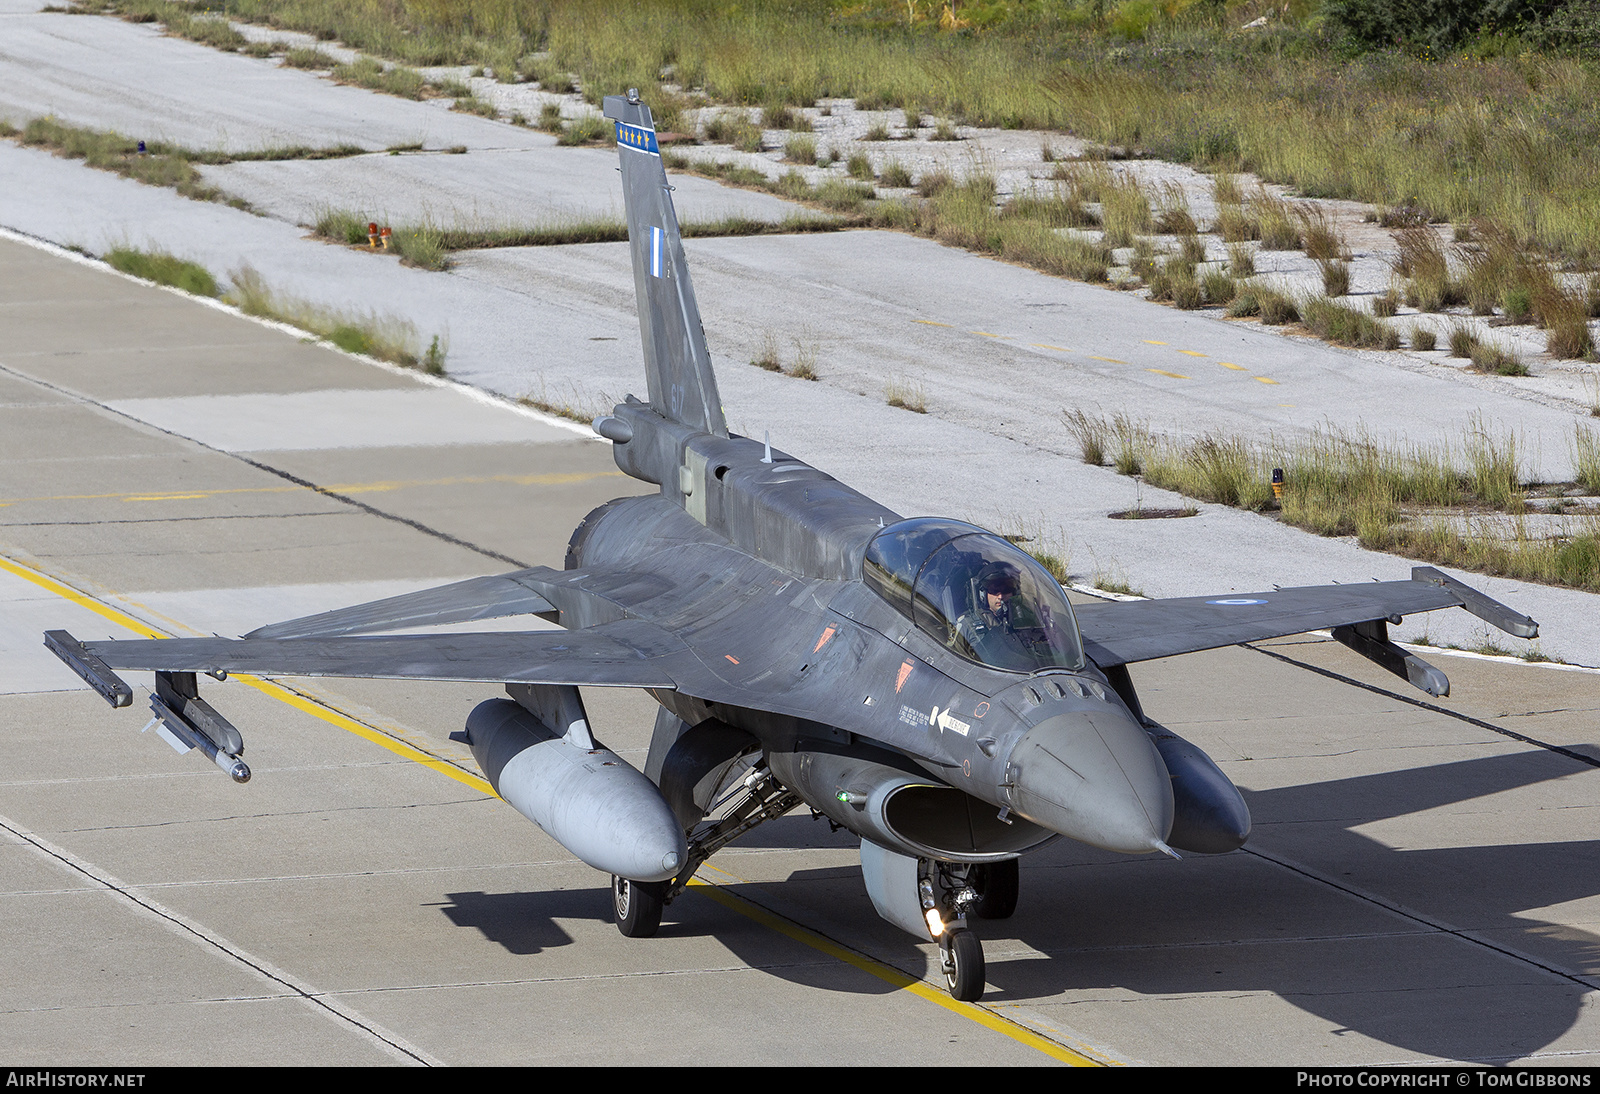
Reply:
x=1420, y=885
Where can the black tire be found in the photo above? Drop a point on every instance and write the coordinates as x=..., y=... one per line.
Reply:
x=963, y=965
x=637, y=906
x=996, y=884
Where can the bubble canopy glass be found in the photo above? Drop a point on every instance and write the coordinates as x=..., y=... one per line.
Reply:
x=975, y=593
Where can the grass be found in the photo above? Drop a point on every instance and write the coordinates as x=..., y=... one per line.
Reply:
x=1280, y=222
x=164, y=269
x=1420, y=257
x=768, y=358
x=800, y=148
x=1318, y=236
x=1114, y=582
x=1586, y=457
x=906, y=395
x=385, y=337
x=1487, y=357
x=1241, y=260
x=1346, y=326
x=1049, y=548
x=804, y=366
x=1272, y=307
x=1124, y=207
x=1335, y=277
x=575, y=407
x=309, y=57
x=585, y=129
x=1391, y=498
x=161, y=164
x=374, y=75
x=1091, y=432
x=733, y=127
x=1174, y=80
x=430, y=246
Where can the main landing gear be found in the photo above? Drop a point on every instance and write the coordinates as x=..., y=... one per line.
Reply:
x=637, y=905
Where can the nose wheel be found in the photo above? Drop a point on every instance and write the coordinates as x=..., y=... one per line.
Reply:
x=637, y=905
x=961, y=954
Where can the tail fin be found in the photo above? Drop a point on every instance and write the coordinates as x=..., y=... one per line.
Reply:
x=682, y=386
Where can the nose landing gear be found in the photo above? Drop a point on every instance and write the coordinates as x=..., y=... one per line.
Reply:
x=961, y=957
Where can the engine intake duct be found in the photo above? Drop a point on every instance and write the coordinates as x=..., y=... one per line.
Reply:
x=900, y=808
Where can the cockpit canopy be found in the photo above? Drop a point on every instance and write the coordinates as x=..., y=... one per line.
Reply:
x=975, y=593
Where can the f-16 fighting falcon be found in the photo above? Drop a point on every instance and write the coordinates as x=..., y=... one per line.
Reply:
x=921, y=682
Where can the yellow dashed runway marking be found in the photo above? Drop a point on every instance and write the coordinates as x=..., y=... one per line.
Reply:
x=1093, y=357
x=381, y=486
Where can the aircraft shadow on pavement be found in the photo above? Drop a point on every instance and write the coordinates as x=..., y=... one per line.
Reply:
x=525, y=923
x=1239, y=923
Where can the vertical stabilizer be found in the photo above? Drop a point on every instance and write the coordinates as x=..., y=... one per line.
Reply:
x=682, y=385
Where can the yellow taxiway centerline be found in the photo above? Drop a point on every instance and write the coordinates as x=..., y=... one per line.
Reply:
x=981, y=1015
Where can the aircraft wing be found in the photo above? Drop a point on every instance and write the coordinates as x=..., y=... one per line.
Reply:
x=623, y=654
x=477, y=598
x=1126, y=632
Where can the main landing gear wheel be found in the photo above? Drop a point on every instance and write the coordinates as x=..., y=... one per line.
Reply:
x=996, y=884
x=637, y=905
x=961, y=954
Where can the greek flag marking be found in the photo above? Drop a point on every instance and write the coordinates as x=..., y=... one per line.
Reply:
x=658, y=241
x=635, y=136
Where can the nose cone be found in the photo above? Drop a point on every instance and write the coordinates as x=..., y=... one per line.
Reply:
x=1096, y=778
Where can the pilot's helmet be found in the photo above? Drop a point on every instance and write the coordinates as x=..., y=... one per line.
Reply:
x=1000, y=579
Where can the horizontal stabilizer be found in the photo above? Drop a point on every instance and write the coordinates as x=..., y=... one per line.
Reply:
x=493, y=597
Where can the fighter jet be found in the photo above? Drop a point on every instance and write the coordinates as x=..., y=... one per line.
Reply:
x=920, y=682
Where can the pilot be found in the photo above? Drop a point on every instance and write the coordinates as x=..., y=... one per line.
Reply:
x=992, y=627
